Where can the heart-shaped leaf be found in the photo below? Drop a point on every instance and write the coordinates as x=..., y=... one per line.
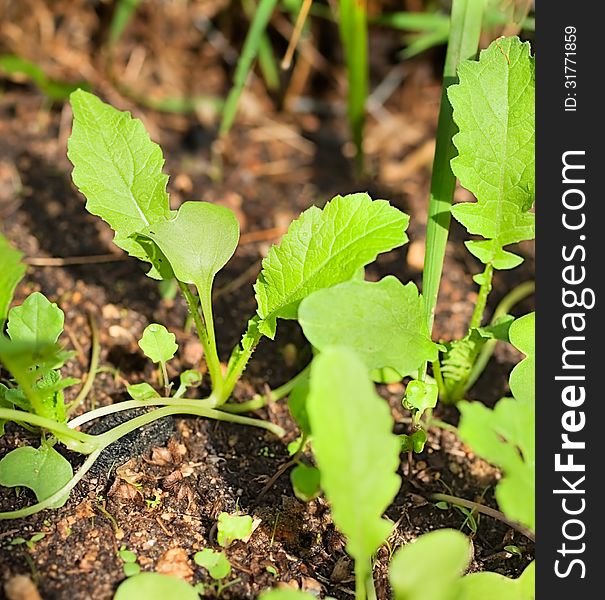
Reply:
x=384, y=322
x=43, y=470
x=198, y=242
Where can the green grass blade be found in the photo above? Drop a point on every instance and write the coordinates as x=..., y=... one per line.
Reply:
x=123, y=13
x=266, y=57
x=245, y=62
x=354, y=36
x=465, y=30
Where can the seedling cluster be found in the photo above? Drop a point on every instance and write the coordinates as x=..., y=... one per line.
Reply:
x=363, y=333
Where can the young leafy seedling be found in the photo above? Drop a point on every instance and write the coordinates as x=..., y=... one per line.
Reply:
x=505, y=435
x=413, y=575
x=216, y=563
x=159, y=345
x=494, y=109
x=233, y=527
x=131, y=567
x=357, y=454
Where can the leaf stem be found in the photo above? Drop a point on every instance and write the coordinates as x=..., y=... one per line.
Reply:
x=212, y=361
x=517, y=294
x=92, y=368
x=486, y=510
x=272, y=396
x=212, y=358
x=74, y=440
x=484, y=289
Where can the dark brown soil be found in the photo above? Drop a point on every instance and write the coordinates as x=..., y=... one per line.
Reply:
x=179, y=475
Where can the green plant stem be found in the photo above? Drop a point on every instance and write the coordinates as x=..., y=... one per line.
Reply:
x=354, y=35
x=486, y=510
x=92, y=368
x=244, y=64
x=236, y=370
x=214, y=366
x=58, y=495
x=360, y=582
x=212, y=359
x=164, y=376
x=262, y=401
x=465, y=29
x=121, y=430
x=484, y=289
x=74, y=440
x=506, y=304
x=370, y=587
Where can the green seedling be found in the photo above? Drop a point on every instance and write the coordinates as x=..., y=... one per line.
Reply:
x=356, y=452
x=29, y=544
x=216, y=563
x=131, y=567
x=413, y=576
x=119, y=170
x=233, y=527
x=505, y=435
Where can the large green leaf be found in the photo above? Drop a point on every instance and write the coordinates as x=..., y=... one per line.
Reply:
x=155, y=586
x=522, y=378
x=480, y=586
x=494, y=110
x=428, y=568
x=118, y=168
x=198, y=242
x=356, y=450
x=43, y=470
x=11, y=273
x=323, y=248
x=37, y=321
x=384, y=322
x=505, y=436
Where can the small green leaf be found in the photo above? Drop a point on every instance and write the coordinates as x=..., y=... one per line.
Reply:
x=37, y=321
x=233, y=527
x=43, y=470
x=430, y=566
x=131, y=569
x=494, y=110
x=142, y=391
x=158, y=343
x=420, y=396
x=323, y=248
x=191, y=378
x=216, y=563
x=356, y=450
x=415, y=442
x=442, y=505
x=305, y=482
x=118, y=168
x=513, y=550
x=155, y=586
x=128, y=556
x=384, y=322
x=197, y=243
x=12, y=271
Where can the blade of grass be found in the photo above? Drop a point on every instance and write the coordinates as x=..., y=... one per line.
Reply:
x=266, y=57
x=354, y=36
x=465, y=29
x=245, y=62
x=124, y=11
